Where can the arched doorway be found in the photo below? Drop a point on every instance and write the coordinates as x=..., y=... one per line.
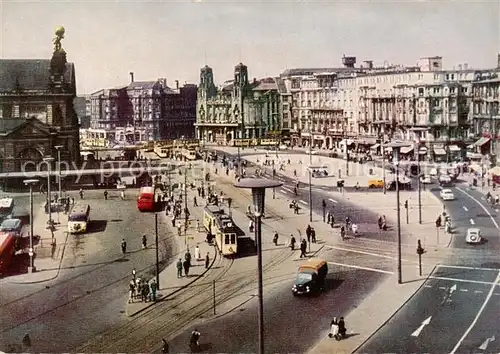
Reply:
x=29, y=159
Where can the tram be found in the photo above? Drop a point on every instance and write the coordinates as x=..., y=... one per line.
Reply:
x=223, y=228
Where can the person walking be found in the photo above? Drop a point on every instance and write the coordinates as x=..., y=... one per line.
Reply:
x=197, y=254
x=292, y=242
x=81, y=193
x=154, y=288
x=186, y=266
x=187, y=257
x=313, y=235
x=207, y=261
x=164, y=346
x=195, y=201
x=105, y=195
x=179, y=268
x=308, y=233
x=275, y=238
x=131, y=291
x=122, y=195
x=124, y=246
x=303, y=248
x=144, y=242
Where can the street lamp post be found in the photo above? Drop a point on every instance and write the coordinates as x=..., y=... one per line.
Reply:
x=419, y=182
x=59, y=147
x=49, y=161
x=382, y=148
x=157, y=256
x=258, y=187
x=396, y=148
x=309, y=171
x=30, y=183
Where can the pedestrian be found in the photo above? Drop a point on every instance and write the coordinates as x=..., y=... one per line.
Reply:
x=292, y=242
x=131, y=291
x=303, y=248
x=187, y=257
x=81, y=193
x=105, y=195
x=250, y=226
x=275, y=238
x=308, y=233
x=229, y=201
x=197, y=254
x=144, y=241
x=354, y=228
x=195, y=201
x=154, y=288
x=380, y=222
x=179, y=268
x=173, y=220
x=186, y=266
x=124, y=246
x=145, y=292
x=164, y=347
x=313, y=235
x=207, y=261
x=122, y=195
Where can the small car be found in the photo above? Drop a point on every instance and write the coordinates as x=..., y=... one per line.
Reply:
x=426, y=179
x=375, y=183
x=444, y=179
x=12, y=226
x=473, y=236
x=283, y=147
x=447, y=194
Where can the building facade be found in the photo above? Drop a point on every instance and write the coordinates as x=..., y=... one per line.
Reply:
x=143, y=112
x=37, y=112
x=238, y=109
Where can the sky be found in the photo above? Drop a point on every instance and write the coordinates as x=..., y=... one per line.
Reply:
x=173, y=39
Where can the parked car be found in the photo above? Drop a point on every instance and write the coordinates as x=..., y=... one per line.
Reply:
x=426, y=179
x=447, y=194
x=12, y=226
x=403, y=185
x=473, y=236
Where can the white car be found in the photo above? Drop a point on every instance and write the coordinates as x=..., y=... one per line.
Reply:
x=312, y=152
x=283, y=147
x=473, y=236
x=447, y=194
x=443, y=179
x=425, y=179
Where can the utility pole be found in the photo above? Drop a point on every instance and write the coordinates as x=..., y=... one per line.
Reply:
x=157, y=257
x=185, y=207
x=382, y=148
x=309, y=170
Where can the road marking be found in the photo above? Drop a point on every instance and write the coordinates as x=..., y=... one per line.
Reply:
x=472, y=221
x=484, y=346
x=421, y=327
x=488, y=297
x=464, y=290
x=497, y=294
x=303, y=202
x=465, y=208
x=332, y=200
x=465, y=267
x=478, y=291
x=359, y=267
x=482, y=206
x=283, y=191
x=427, y=286
x=464, y=280
x=360, y=252
x=287, y=189
x=442, y=287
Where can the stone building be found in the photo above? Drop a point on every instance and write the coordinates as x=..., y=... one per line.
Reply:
x=36, y=110
x=239, y=109
x=142, y=111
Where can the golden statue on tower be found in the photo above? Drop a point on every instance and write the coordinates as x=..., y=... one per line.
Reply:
x=59, y=32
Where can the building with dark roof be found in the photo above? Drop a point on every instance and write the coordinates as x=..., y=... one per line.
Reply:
x=239, y=109
x=37, y=112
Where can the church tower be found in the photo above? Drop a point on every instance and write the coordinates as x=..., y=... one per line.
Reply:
x=207, y=87
x=239, y=89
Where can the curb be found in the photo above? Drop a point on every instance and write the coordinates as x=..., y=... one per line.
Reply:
x=399, y=309
x=50, y=278
x=166, y=296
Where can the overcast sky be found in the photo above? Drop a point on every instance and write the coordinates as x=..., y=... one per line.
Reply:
x=108, y=39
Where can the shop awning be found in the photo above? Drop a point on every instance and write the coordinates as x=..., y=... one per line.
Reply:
x=454, y=148
x=406, y=149
x=439, y=151
x=482, y=141
x=375, y=147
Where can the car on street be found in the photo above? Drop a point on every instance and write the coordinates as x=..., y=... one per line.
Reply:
x=312, y=152
x=447, y=194
x=426, y=179
x=283, y=147
x=433, y=172
x=473, y=236
x=12, y=226
x=444, y=179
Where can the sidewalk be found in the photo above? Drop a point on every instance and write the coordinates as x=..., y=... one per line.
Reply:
x=48, y=255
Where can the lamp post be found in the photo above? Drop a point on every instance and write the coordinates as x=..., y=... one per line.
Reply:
x=31, y=183
x=382, y=148
x=258, y=187
x=58, y=148
x=157, y=256
x=419, y=183
x=309, y=171
x=396, y=148
x=49, y=161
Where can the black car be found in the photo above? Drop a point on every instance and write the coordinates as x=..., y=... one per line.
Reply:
x=403, y=186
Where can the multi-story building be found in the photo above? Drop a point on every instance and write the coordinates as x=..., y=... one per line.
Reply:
x=36, y=110
x=485, y=113
x=180, y=112
x=142, y=111
x=82, y=109
x=239, y=109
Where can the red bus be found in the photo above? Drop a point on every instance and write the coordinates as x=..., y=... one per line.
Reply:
x=7, y=250
x=146, y=199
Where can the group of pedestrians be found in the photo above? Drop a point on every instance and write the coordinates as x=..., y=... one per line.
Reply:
x=186, y=264
x=140, y=288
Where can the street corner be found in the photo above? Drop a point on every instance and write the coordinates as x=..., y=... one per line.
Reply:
x=39, y=276
x=135, y=306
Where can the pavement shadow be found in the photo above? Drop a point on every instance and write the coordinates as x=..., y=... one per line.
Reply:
x=96, y=226
x=18, y=265
x=332, y=283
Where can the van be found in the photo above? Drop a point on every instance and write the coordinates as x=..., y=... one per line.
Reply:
x=375, y=183
x=310, y=277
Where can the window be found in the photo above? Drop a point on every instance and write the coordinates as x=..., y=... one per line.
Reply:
x=447, y=77
x=421, y=91
x=452, y=90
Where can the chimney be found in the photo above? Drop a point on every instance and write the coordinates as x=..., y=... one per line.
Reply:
x=177, y=84
x=131, y=76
